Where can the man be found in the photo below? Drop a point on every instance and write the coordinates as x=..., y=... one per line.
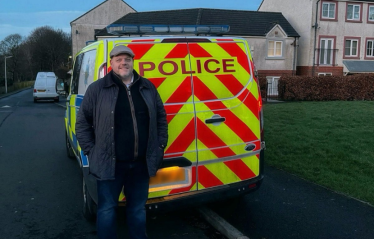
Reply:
x=122, y=128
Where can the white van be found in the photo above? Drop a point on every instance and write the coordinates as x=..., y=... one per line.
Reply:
x=45, y=87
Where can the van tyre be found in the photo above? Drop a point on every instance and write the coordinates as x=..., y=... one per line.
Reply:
x=35, y=101
x=57, y=100
x=69, y=149
x=89, y=206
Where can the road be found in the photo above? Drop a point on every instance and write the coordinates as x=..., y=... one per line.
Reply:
x=40, y=193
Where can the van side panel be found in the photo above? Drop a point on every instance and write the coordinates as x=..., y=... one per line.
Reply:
x=227, y=113
x=167, y=66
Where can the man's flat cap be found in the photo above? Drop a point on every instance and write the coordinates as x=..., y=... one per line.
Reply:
x=121, y=49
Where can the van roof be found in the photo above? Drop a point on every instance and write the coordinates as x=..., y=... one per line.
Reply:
x=46, y=74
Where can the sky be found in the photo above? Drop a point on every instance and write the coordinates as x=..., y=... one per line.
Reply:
x=23, y=16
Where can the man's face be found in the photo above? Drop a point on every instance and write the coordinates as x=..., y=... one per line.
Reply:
x=122, y=65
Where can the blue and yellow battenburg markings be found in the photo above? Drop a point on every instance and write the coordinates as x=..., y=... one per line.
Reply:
x=71, y=116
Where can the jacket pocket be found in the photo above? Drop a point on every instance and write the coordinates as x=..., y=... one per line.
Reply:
x=159, y=156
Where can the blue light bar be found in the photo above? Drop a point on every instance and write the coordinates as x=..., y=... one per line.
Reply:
x=126, y=29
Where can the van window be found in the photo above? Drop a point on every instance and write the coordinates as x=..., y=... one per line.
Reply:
x=51, y=81
x=75, y=79
x=40, y=82
x=86, y=74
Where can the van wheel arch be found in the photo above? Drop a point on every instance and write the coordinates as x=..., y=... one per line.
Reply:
x=89, y=206
x=69, y=148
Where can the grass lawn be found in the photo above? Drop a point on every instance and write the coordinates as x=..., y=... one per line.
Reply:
x=329, y=143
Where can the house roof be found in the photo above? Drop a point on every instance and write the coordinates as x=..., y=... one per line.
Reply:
x=359, y=66
x=242, y=23
x=95, y=8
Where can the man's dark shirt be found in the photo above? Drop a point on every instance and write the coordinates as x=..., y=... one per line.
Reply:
x=124, y=135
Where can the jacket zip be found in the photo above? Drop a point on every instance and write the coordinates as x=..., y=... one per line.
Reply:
x=149, y=114
x=136, y=136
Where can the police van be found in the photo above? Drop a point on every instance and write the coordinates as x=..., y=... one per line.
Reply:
x=213, y=105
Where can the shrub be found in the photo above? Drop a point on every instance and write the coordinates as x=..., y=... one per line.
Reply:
x=355, y=87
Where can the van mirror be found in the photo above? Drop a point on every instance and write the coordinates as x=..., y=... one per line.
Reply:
x=60, y=87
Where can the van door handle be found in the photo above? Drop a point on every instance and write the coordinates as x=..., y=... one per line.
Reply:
x=215, y=119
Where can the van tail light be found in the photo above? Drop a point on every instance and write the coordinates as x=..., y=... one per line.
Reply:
x=261, y=117
x=34, y=90
x=102, y=71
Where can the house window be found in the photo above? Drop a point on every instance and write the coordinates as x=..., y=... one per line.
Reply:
x=371, y=13
x=275, y=48
x=370, y=48
x=351, y=47
x=354, y=12
x=324, y=74
x=328, y=10
x=326, y=51
x=272, y=85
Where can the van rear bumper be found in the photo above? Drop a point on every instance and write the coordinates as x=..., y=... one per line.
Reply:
x=49, y=97
x=197, y=198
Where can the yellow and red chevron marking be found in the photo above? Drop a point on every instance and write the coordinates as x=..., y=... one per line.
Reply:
x=232, y=120
x=231, y=95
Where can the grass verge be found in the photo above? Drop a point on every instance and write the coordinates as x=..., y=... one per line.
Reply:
x=329, y=143
x=17, y=86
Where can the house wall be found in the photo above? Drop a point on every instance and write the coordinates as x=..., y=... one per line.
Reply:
x=83, y=28
x=342, y=30
x=301, y=14
x=277, y=66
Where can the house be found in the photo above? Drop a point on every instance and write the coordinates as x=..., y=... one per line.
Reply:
x=83, y=28
x=337, y=36
x=272, y=38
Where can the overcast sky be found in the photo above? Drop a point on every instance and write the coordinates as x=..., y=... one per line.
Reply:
x=23, y=16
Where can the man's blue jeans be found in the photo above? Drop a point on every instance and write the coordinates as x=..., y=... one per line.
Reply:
x=134, y=178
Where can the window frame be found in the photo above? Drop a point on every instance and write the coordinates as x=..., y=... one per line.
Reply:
x=333, y=57
x=324, y=74
x=273, y=91
x=335, y=9
x=275, y=49
x=358, y=39
x=366, y=57
x=368, y=12
x=360, y=12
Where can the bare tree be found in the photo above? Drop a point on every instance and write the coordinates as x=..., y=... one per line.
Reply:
x=49, y=48
x=10, y=46
x=45, y=49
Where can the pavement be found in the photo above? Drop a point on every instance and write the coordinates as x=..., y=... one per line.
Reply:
x=13, y=92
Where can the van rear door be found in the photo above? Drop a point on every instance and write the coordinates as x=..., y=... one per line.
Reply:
x=165, y=61
x=51, y=85
x=227, y=112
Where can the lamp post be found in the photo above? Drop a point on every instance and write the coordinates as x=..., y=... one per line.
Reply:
x=6, y=83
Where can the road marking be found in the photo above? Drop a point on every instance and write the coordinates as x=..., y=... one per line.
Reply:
x=63, y=106
x=6, y=106
x=220, y=224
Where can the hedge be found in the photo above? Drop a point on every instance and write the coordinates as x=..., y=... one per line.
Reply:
x=324, y=88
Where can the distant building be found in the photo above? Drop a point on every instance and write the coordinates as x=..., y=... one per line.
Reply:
x=272, y=38
x=337, y=37
x=83, y=28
